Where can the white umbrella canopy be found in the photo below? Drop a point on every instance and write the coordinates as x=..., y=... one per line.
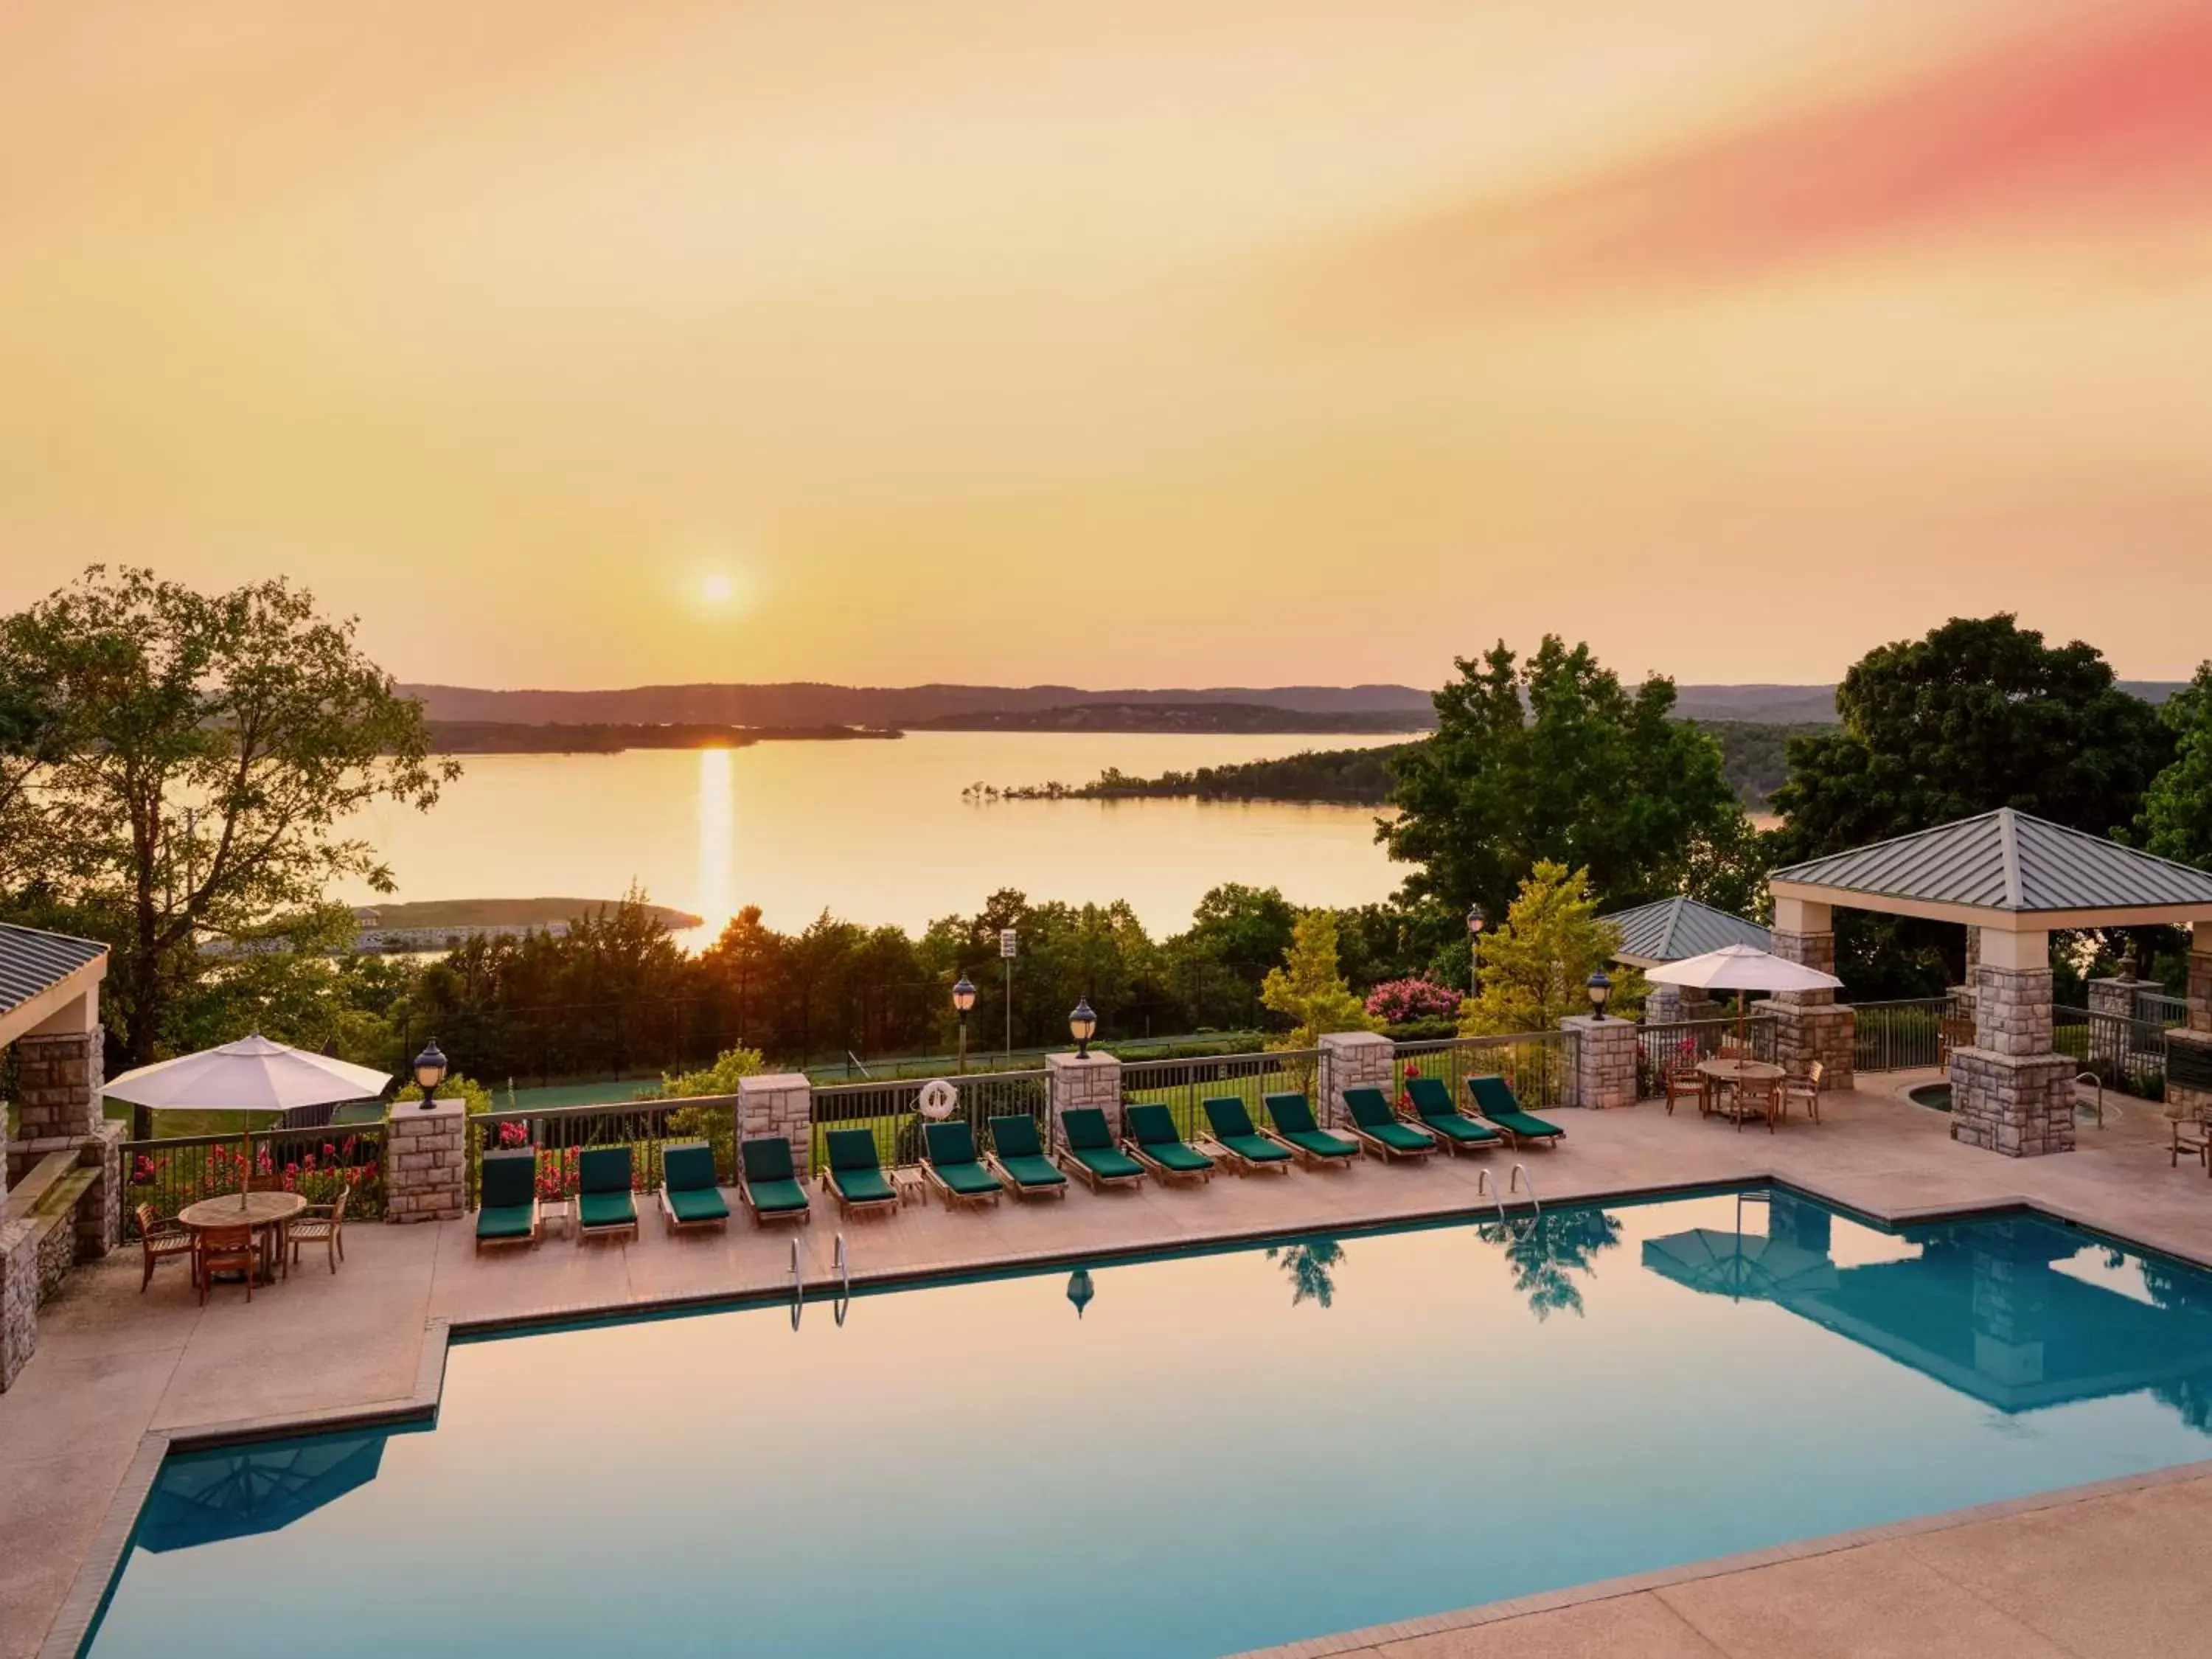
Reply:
x=1742, y=968
x=251, y=1075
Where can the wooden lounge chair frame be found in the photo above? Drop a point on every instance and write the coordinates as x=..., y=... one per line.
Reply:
x=1452, y=1145
x=1375, y=1146
x=1066, y=1157
x=536, y=1207
x=603, y=1229
x=945, y=1193
x=1234, y=1161
x=1019, y=1188
x=1161, y=1172
x=675, y=1224
x=1513, y=1136
x=1306, y=1156
x=849, y=1208
x=760, y=1218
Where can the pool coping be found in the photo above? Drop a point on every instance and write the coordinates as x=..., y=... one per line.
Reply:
x=98, y=1572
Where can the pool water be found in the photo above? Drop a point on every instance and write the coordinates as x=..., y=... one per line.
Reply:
x=1192, y=1455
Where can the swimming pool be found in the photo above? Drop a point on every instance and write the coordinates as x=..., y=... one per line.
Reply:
x=1194, y=1454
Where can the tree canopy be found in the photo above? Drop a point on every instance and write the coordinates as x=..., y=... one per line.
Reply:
x=1979, y=713
x=2177, y=815
x=1536, y=967
x=1550, y=759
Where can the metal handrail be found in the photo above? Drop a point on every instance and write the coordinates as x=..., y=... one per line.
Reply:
x=2098, y=1082
x=1514, y=1182
x=1482, y=1185
x=798, y=1286
x=845, y=1281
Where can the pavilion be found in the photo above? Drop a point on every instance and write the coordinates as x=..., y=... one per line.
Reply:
x=2010, y=879
x=1670, y=930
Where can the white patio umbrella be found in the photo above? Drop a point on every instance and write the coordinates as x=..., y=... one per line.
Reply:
x=251, y=1075
x=1741, y=967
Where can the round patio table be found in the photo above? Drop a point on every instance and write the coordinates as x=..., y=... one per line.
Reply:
x=265, y=1212
x=1741, y=1070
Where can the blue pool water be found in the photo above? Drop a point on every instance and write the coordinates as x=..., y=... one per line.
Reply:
x=1192, y=1455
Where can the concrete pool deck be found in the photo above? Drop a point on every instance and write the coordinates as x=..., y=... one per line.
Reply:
x=2109, y=1570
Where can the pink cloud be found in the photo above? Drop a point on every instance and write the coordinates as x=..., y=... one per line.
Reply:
x=2065, y=130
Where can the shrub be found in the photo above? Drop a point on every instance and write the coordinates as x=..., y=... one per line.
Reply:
x=1408, y=1001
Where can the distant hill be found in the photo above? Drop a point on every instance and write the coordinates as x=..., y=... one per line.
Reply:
x=1180, y=717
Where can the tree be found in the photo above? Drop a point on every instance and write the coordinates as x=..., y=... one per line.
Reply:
x=1978, y=714
x=2177, y=815
x=205, y=753
x=1536, y=967
x=1308, y=990
x=1585, y=775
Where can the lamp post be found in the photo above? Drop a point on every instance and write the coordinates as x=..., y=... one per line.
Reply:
x=1081, y=1024
x=429, y=1072
x=964, y=999
x=1078, y=1289
x=1474, y=920
x=1600, y=987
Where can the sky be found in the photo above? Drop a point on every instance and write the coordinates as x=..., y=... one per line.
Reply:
x=574, y=345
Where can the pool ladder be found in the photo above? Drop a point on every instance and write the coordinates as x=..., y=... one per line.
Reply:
x=798, y=1286
x=1520, y=1178
x=844, y=1281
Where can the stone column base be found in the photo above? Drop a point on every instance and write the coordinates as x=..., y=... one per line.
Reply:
x=19, y=1297
x=1601, y=1061
x=1075, y=1081
x=2189, y=1075
x=779, y=1104
x=1825, y=1031
x=2021, y=1105
x=100, y=1212
x=426, y=1161
x=1352, y=1060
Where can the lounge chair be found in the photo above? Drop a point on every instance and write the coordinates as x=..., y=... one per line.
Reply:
x=1018, y=1159
x=855, y=1177
x=1454, y=1129
x=767, y=1185
x=1376, y=1128
x=1309, y=1142
x=950, y=1164
x=1088, y=1152
x=1150, y=1136
x=1243, y=1147
x=691, y=1197
x=507, y=1193
x=604, y=1205
x=1494, y=1099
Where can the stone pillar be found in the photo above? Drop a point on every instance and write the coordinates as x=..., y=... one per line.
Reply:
x=1810, y=1025
x=57, y=1103
x=19, y=1297
x=2010, y=1092
x=1352, y=1060
x=1072, y=1082
x=779, y=1104
x=2112, y=999
x=2189, y=1047
x=1601, y=1061
x=1663, y=1005
x=426, y=1161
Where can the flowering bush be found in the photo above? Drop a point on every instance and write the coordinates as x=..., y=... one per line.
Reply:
x=1399, y=1001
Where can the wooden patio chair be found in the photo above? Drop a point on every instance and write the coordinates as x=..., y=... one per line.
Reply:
x=1756, y=1097
x=225, y=1249
x=1952, y=1034
x=1806, y=1087
x=324, y=1223
x=1687, y=1082
x=2192, y=1135
x=159, y=1241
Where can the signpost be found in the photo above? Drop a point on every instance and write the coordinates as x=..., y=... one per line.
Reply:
x=1006, y=946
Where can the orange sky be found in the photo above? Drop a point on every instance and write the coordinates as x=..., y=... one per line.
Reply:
x=1004, y=341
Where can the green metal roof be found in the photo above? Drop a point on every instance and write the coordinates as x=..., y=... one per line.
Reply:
x=2009, y=861
x=31, y=962
x=1670, y=930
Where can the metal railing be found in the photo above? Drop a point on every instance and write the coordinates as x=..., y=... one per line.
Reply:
x=890, y=1109
x=1184, y=1085
x=559, y=1134
x=1899, y=1036
x=2127, y=1055
x=2156, y=1008
x=1687, y=1042
x=1533, y=1063
x=317, y=1164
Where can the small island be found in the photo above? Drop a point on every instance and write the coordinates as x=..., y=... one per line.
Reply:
x=436, y=924
x=609, y=737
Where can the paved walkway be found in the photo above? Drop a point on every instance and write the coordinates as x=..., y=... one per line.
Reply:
x=113, y=1364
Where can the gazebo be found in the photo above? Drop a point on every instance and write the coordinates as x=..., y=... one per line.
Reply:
x=1671, y=930
x=2010, y=879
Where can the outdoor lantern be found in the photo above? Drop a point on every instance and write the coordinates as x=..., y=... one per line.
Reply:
x=1078, y=1289
x=429, y=1070
x=963, y=995
x=1474, y=918
x=1081, y=1024
x=1600, y=987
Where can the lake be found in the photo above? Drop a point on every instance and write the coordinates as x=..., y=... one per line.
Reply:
x=875, y=831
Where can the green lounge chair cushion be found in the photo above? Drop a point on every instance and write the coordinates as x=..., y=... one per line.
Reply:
x=852, y=1150
x=1253, y=1148
x=1368, y=1107
x=1152, y=1125
x=605, y=1209
x=1174, y=1155
x=509, y=1179
x=1292, y=1113
x=768, y=1158
x=1016, y=1137
x=689, y=1168
x=1107, y=1163
x=868, y=1186
x=1432, y=1096
x=604, y=1170
x=1494, y=1099
x=969, y=1180
x=948, y=1143
x=1457, y=1126
x=691, y=1205
x=772, y=1196
x=1031, y=1171
x=1404, y=1136
x=1321, y=1143
x=1086, y=1131
x=1229, y=1118
x=503, y=1221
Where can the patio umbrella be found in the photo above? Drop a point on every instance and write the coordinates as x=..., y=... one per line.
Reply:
x=1741, y=967
x=251, y=1075
x=208, y=1497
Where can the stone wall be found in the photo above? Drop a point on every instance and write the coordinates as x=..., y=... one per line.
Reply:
x=426, y=1161
x=1352, y=1060
x=100, y=1212
x=1663, y=1005
x=57, y=1098
x=1073, y=1082
x=2010, y=1092
x=19, y=1297
x=780, y=1103
x=2188, y=1050
x=1601, y=1061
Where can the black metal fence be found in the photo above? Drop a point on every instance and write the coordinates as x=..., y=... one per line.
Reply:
x=559, y=1134
x=2127, y=1055
x=1533, y=1063
x=1897, y=1036
x=2156, y=1008
x=891, y=1109
x=1184, y=1085
x=318, y=1163
x=1671, y=1043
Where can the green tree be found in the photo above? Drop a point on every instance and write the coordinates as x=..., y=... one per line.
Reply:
x=1308, y=990
x=205, y=752
x=1980, y=714
x=1312, y=1266
x=1551, y=759
x=2177, y=815
x=1536, y=967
